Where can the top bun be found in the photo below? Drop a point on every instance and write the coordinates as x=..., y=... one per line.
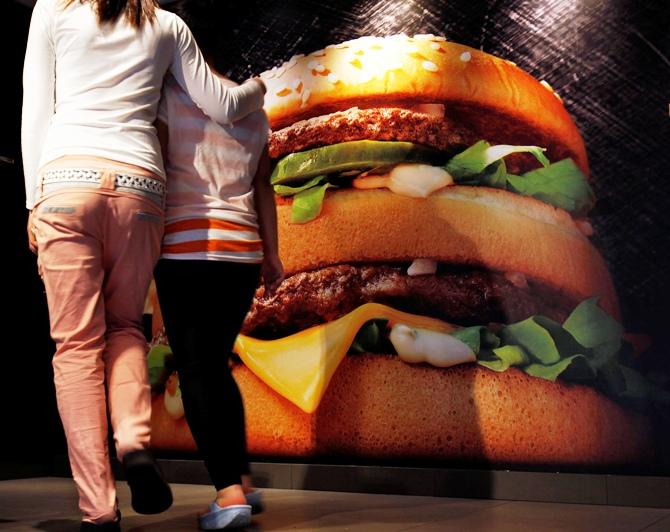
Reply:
x=493, y=95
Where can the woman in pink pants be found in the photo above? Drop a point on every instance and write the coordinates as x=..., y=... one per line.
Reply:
x=95, y=187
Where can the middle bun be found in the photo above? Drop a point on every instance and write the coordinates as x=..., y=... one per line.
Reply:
x=496, y=229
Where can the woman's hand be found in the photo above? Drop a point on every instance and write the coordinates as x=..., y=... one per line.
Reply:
x=260, y=82
x=32, y=240
x=272, y=271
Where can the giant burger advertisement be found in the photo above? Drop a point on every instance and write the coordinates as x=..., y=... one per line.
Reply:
x=446, y=298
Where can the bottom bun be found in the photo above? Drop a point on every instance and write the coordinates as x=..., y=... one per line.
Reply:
x=379, y=407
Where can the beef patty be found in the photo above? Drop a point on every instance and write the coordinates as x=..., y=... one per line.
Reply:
x=459, y=295
x=443, y=133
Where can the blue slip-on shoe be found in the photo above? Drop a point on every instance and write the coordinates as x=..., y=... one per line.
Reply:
x=218, y=518
x=255, y=500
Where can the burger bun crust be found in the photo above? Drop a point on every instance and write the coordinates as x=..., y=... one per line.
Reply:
x=379, y=407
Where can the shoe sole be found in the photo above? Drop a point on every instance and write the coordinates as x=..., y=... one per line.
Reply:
x=150, y=494
x=255, y=500
x=229, y=517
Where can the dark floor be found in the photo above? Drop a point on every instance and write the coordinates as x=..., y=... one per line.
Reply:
x=50, y=504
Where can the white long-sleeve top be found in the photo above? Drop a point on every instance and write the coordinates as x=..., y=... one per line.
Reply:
x=94, y=90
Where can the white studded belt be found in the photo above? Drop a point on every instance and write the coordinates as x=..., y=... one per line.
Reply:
x=74, y=177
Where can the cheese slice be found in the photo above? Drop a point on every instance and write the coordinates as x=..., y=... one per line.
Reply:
x=299, y=367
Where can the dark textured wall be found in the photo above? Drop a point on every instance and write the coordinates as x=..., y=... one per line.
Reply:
x=31, y=431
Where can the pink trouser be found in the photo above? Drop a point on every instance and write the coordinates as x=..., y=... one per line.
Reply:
x=97, y=248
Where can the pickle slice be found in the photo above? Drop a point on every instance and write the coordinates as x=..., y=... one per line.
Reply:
x=355, y=155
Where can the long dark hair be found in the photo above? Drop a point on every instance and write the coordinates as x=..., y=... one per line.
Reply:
x=135, y=11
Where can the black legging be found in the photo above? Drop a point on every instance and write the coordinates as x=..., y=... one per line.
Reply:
x=203, y=305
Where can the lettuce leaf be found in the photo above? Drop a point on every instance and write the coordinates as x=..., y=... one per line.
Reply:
x=474, y=160
x=505, y=357
x=561, y=184
x=307, y=204
x=535, y=339
x=371, y=338
x=158, y=360
x=593, y=328
x=286, y=190
x=308, y=199
x=352, y=155
x=551, y=371
x=586, y=349
x=641, y=390
x=479, y=338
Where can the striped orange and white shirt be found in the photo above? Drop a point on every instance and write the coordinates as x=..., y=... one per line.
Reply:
x=210, y=212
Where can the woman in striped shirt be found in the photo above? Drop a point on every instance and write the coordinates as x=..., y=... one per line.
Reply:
x=220, y=236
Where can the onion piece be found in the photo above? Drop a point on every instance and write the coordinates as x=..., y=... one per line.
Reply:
x=438, y=349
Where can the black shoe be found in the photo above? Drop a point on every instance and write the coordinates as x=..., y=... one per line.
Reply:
x=150, y=494
x=109, y=526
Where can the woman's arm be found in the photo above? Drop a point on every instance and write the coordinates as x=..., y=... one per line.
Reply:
x=39, y=80
x=272, y=269
x=222, y=104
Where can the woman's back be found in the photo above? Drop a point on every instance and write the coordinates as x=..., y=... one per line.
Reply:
x=107, y=77
x=93, y=89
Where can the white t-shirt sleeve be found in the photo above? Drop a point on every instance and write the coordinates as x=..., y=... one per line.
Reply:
x=222, y=104
x=39, y=80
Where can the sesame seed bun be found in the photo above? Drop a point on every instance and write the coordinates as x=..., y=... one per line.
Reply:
x=487, y=92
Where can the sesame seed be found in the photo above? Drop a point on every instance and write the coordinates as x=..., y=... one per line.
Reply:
x=429, y=66
x=435, y=46
x=439, y=38
x=546, y=85
x=312, y=65
x=518, y=279
x=297, y=84
x=332, y=77
x=465, y=57
x=359, y=52
x=585, y=227
x=356, y=62
x=365, y=77
x=319, y=68
x=306, y=95
x=284, y=90
x=271, y=73
x=423, y=37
